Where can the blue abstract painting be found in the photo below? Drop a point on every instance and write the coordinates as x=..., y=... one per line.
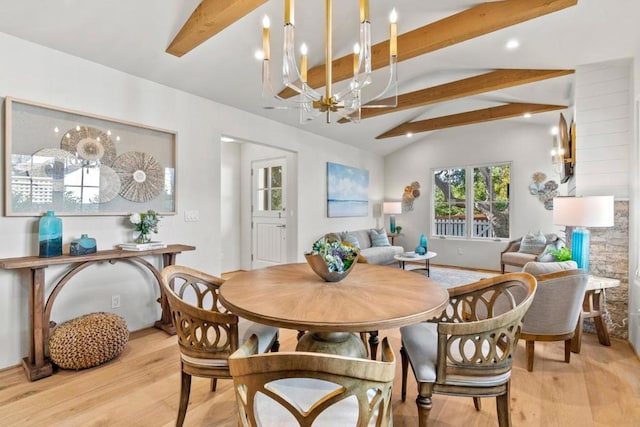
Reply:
x=347, y=191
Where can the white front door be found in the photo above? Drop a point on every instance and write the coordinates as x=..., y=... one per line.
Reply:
x=268, y=219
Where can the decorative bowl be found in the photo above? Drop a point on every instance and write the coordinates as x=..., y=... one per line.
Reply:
x=319, y=266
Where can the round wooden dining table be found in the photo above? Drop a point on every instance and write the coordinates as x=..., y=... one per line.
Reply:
x=370, y=298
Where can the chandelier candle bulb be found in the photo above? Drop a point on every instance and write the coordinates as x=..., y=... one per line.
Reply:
x=364, y=10
x=288, y=12
x=356, y=59
x=303, y=63
x=393, y=33
x=266, y=51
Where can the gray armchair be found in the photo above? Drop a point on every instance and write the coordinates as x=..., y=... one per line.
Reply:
x=514, y=257
x=556, y=307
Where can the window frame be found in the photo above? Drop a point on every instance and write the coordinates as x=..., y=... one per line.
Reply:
x=469, y=203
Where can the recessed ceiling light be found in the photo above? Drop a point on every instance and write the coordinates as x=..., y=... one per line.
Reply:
x=527, y=115
x=513, y=44
x=226, y=139
x=409, y=134
x=259, y=55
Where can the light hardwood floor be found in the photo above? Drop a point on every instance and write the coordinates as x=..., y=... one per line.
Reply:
x=601, y=387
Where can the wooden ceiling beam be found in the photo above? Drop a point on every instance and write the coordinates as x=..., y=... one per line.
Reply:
x=488, y=82
x=207, y=20
x=473, y=22
x=470, y=117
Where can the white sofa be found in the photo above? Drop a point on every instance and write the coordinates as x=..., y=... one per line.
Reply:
x=381, y=255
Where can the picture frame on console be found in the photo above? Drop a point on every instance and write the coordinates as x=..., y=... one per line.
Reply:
x=79, y=164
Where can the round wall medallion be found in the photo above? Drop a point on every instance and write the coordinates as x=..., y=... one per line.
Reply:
x=141, y=176
x=90, y=144
x=109, y=184
x=90, y=149
x=52, y=162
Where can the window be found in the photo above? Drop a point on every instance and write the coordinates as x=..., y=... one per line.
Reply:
x=477, y=211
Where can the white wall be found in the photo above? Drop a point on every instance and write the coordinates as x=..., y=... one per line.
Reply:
x=230, y=225
x=527, y=146
x=35, y=73
x=608, y=153
x=603, y=105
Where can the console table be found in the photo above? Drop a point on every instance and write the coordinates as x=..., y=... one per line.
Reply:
x=38, y=365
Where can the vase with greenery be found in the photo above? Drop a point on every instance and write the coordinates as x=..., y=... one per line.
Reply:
x=145, y=223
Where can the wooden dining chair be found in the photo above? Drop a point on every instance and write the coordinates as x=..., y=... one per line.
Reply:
x=207, y=333
x=467, y=350
x=304, y=389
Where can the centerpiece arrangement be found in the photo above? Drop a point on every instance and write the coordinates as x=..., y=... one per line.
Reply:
x=145, y=223
x=332, y=260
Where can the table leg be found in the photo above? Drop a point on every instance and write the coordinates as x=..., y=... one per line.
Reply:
x=592, y=307
x=37, y=366
x=342, y=343
x=576, y=341
x=427, y=267
x=373, y=344
x=601, y=327
x=166, y=323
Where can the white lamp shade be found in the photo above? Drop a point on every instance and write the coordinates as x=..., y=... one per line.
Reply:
x=392, y=208
x=592, y=211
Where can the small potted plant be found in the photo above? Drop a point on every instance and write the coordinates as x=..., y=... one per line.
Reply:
x=562, y=254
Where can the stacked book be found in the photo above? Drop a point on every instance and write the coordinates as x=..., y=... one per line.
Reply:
x=142, y=246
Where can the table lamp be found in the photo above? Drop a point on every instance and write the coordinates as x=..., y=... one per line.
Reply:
x=581, y=212
x=392, y=209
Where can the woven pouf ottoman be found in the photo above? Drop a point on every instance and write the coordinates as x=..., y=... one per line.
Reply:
x=88, y=340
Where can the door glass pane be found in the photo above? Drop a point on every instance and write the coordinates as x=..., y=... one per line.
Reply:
x=276, y=200
x=262, y=200
x=276, y=176
x=263, y=178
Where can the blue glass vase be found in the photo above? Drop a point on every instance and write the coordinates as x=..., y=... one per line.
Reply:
x=50, y=235
x=83, y=246
x=423, y=241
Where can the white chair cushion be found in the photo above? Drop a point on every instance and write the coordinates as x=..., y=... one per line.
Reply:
x=304, y=393
x=246, y=328
x=420, y=342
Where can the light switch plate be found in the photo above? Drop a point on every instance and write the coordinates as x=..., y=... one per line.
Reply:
x=191, y=216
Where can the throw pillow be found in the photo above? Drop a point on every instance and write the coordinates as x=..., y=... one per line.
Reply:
x=379, y=237
x=533, y=243
x=351, y=239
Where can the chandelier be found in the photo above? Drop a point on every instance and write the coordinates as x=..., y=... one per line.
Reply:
x=346, y=102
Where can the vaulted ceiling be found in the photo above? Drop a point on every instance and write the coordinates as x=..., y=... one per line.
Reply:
x=453, y=67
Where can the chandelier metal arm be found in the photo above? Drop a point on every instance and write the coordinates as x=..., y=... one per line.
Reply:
x=347, y=102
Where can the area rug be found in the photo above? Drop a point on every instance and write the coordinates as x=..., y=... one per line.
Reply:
x=450, y=277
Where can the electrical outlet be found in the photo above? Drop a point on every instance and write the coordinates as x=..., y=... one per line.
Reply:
x=115, y=301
